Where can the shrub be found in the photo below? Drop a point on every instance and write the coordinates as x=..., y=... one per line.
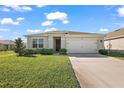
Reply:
x=28, y=52
x=38, y=51
x=31, y=51
x=103, y=51
x=46, y=51
x=34, y=50
x=63, y=51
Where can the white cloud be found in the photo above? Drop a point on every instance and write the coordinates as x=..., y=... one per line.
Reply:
x=19, y=8
x=40, y=6
x=20, y=19
x=62, y=16
x=47, y=23
x=26, y=8
x=4, y=30
x=103, y=29
x=50, y=29
x=4, y=9
x=34, y=30
x=9, y=21
x=56, y=15
x=65, y=21
x=120, y=11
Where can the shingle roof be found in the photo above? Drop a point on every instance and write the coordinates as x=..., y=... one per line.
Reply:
x=7, y=42
x=116, y=34
x=68, y=32
x=71, y=32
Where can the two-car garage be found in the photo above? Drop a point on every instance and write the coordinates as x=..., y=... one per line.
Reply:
x=82, y=45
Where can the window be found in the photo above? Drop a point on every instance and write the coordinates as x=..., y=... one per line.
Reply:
x=40, y=43
x=37, y=43
x=34, y=43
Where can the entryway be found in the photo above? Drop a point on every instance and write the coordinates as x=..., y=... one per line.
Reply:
x=57, y=43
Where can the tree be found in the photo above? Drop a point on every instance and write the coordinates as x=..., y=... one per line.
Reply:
x=19, y=47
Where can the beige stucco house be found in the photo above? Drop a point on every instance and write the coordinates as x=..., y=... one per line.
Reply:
x=74, y=42
x=115, y=40
x=6, y=44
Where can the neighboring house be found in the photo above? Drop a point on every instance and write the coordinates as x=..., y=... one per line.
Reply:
x=6, y=44
x=74, y=42
x=115, y=40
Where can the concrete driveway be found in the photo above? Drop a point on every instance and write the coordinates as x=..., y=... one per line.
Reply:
x=98, y=71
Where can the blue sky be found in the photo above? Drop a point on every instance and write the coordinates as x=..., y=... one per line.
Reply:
x=16, y=21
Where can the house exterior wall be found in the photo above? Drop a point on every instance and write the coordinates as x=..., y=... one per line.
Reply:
x=65, y=40
x=48, y=41
x=3, y=47
x=51, y=40
x=100, y=44
x=116, y=44
x=30, y=41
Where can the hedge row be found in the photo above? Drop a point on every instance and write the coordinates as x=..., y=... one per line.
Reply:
x=29, y=52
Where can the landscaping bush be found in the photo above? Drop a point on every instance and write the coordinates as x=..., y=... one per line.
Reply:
x=47, y=51
x=31, y=51
x=35, y=50
x=28, y=52
x=63, y=51
x=38, y=51
x=103, y=51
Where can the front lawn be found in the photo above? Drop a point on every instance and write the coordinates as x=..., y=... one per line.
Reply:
x=117, y=55
x=6, y=52
x=40, y=71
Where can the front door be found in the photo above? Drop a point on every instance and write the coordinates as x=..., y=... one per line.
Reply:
x=57, y=44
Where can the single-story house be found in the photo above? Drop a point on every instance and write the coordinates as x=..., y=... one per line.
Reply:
x=6, y=44
x=74, y=42
x=115, y=40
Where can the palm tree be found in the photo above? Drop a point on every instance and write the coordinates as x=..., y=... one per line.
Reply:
x=19, y=47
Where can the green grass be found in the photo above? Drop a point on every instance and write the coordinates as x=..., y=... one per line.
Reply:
x=6, y=52
x=39, y=71
x=117, y=55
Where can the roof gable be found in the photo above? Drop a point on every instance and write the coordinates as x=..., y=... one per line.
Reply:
x=6, y=42
x=115, y=34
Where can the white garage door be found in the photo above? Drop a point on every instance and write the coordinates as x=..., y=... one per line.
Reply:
x=82, y=45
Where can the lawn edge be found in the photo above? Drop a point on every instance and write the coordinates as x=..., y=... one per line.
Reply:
x=74, y=73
